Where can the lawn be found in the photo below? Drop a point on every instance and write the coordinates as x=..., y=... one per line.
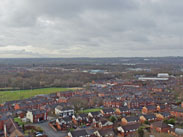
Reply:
x=90, y=110
x=19, y=121
x=23, y=94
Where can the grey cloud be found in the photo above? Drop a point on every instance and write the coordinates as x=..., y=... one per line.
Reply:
x=92, y=27
x=20, y=53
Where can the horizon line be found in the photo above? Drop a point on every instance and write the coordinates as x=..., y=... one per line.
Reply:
x=89, y=57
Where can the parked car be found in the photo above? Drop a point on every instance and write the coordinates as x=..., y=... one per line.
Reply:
x=38, y=134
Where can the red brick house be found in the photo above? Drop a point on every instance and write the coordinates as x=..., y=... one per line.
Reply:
x=104, y=133
x=4, y=108
x=81, y=119
x=133, y=104
x=160, y=126
x=126, y=130
x=148, y=117
x=104, y=124
x=163, y=115
x=178, y=112
x=162, y=108
x=149, y=109
x=21, y=106
x=64, y=123
x=65, y=94
x=130, y=120
x=62, y=100
x=78, y=133
x=95, y=114
x=122, y=110
x=3, y=119
x=112, y=103
x=21, y=113
x=35, y=116
x=107, y=111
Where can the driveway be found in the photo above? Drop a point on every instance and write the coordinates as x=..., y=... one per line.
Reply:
x=49, y=131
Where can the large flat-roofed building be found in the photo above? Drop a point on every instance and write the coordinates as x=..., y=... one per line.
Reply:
x=163, y=75
x=152, y=79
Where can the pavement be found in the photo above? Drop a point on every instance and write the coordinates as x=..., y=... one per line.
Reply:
x=49, y=131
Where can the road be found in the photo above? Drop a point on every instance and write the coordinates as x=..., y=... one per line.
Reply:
x=49, y=131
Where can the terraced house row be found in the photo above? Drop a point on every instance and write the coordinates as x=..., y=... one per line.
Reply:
x=106, y=108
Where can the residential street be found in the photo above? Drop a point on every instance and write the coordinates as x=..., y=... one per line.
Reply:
x=49, y=131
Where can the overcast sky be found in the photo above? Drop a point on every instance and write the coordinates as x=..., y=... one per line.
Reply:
x=91, y=28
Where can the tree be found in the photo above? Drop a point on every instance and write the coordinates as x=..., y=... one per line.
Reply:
x=96, y=101
x=79, y=103
x=166, y=121
x=23, y=127
x=113, y=119
x=147, y=122
x=170, y=121
x=141, y=132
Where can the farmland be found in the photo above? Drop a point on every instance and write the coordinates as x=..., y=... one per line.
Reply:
x=23, y=94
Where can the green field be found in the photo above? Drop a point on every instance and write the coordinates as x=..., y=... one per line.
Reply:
x=23, y=94
x=90, y=110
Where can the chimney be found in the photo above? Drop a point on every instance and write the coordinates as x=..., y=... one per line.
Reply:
x=5, y=131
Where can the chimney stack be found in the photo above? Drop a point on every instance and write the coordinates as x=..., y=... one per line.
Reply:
x=5, y=131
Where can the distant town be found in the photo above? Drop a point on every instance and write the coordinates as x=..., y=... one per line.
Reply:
x=106, y=98
x=91, y=68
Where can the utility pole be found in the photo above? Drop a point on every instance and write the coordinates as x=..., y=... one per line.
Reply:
x=23, y=84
